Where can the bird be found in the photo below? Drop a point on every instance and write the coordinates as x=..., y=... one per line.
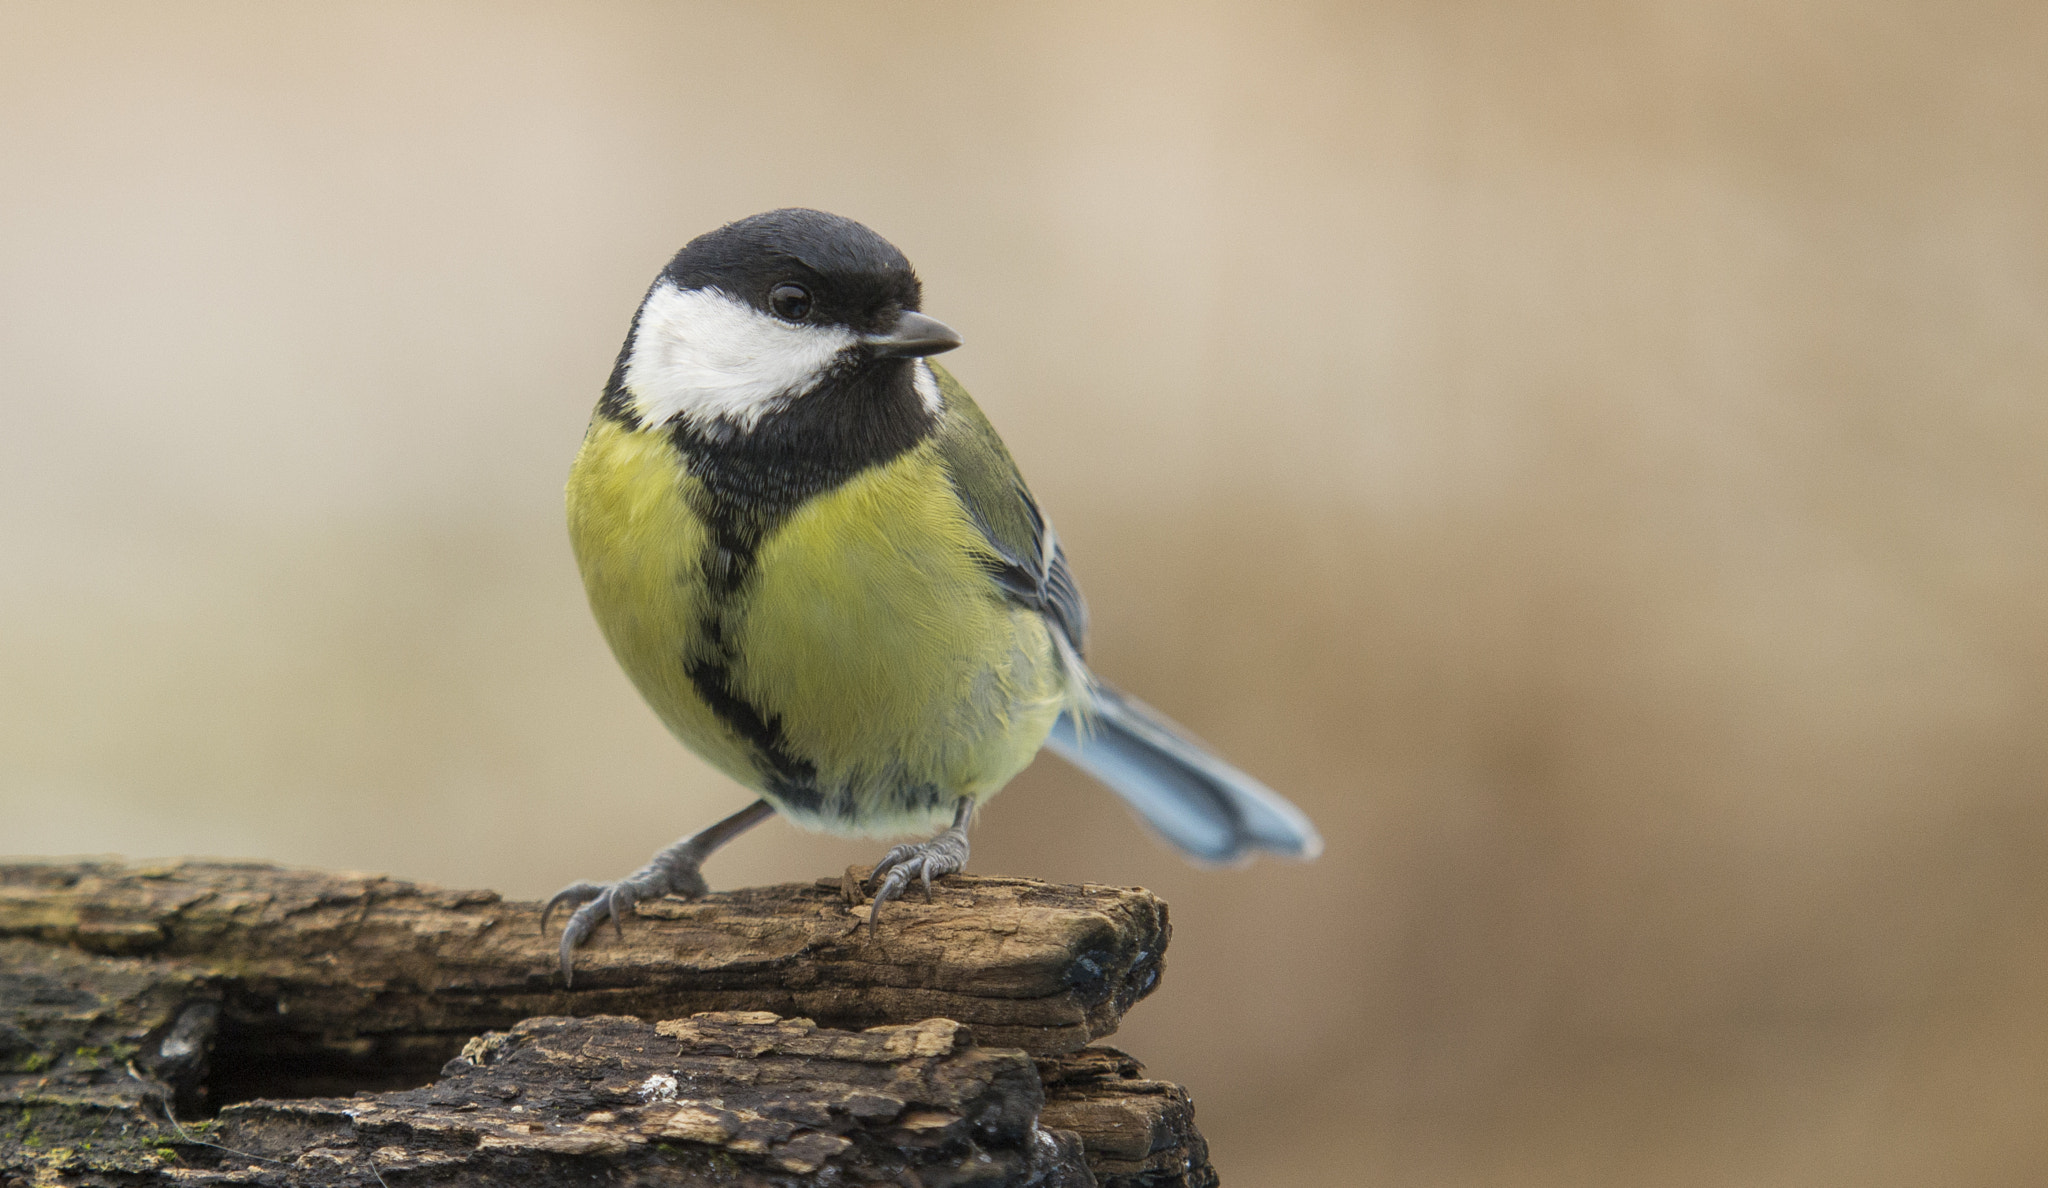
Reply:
x=812, y=554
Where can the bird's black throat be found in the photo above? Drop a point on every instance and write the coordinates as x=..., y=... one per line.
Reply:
x=856, y=419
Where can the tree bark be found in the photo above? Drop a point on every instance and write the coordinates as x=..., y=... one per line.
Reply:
x=948, y=1047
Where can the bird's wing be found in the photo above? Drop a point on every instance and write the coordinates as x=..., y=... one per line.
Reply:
x=1027, y=563
x=1194, y=799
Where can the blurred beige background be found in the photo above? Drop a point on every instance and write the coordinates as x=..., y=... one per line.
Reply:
x=1590, y=455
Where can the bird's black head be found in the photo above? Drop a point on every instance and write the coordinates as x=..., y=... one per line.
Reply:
x=803, y=266
x=751, y=320
x=785, y=352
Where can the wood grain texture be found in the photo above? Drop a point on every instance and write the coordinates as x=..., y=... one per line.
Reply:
x=797, y=1042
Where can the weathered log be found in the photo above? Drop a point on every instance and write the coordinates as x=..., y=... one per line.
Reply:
x=707, y=1099
x=342, y=975
x=130, y=995
x=1137, y=1131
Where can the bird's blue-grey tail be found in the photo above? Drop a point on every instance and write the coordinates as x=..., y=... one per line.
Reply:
x=1209, y=809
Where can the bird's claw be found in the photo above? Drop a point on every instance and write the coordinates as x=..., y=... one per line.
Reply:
x=943, y=855
x=594, y=902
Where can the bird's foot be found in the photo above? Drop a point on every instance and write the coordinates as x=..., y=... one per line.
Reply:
x=677, y=870
x=943, y=855
x=671, y=873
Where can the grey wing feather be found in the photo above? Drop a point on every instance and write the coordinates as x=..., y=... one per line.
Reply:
x=1203, y=805
x=1026, y=560
x=1042, y=582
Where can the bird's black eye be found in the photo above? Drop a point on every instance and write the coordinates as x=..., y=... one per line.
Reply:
x=790, y=302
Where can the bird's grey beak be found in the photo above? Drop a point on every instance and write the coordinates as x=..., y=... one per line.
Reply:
x=913, y=336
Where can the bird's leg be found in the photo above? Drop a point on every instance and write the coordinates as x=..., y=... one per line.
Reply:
x=674, y=871
x=943, y=855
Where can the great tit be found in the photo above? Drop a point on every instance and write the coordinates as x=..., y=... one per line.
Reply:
x=812, y=554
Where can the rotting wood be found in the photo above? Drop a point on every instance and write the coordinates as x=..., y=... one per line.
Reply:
x=709, y=1099
x=717, y=1098
x=127, y=992
x=1137, y=1131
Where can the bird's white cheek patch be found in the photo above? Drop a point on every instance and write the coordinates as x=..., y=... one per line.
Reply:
x=927, y=386
x=712, y=357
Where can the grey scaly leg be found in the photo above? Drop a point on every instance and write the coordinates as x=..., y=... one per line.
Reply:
x=674, y=871
x=943, y=855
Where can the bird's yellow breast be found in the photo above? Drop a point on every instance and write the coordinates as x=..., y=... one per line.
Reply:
x=867, y=631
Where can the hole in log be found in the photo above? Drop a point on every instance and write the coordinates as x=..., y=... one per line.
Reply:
x=255, y=1053
x=251, y=1065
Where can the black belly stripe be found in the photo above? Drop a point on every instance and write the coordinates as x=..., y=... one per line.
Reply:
x=789, y=777
x=728, y=563
x=748, y=482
